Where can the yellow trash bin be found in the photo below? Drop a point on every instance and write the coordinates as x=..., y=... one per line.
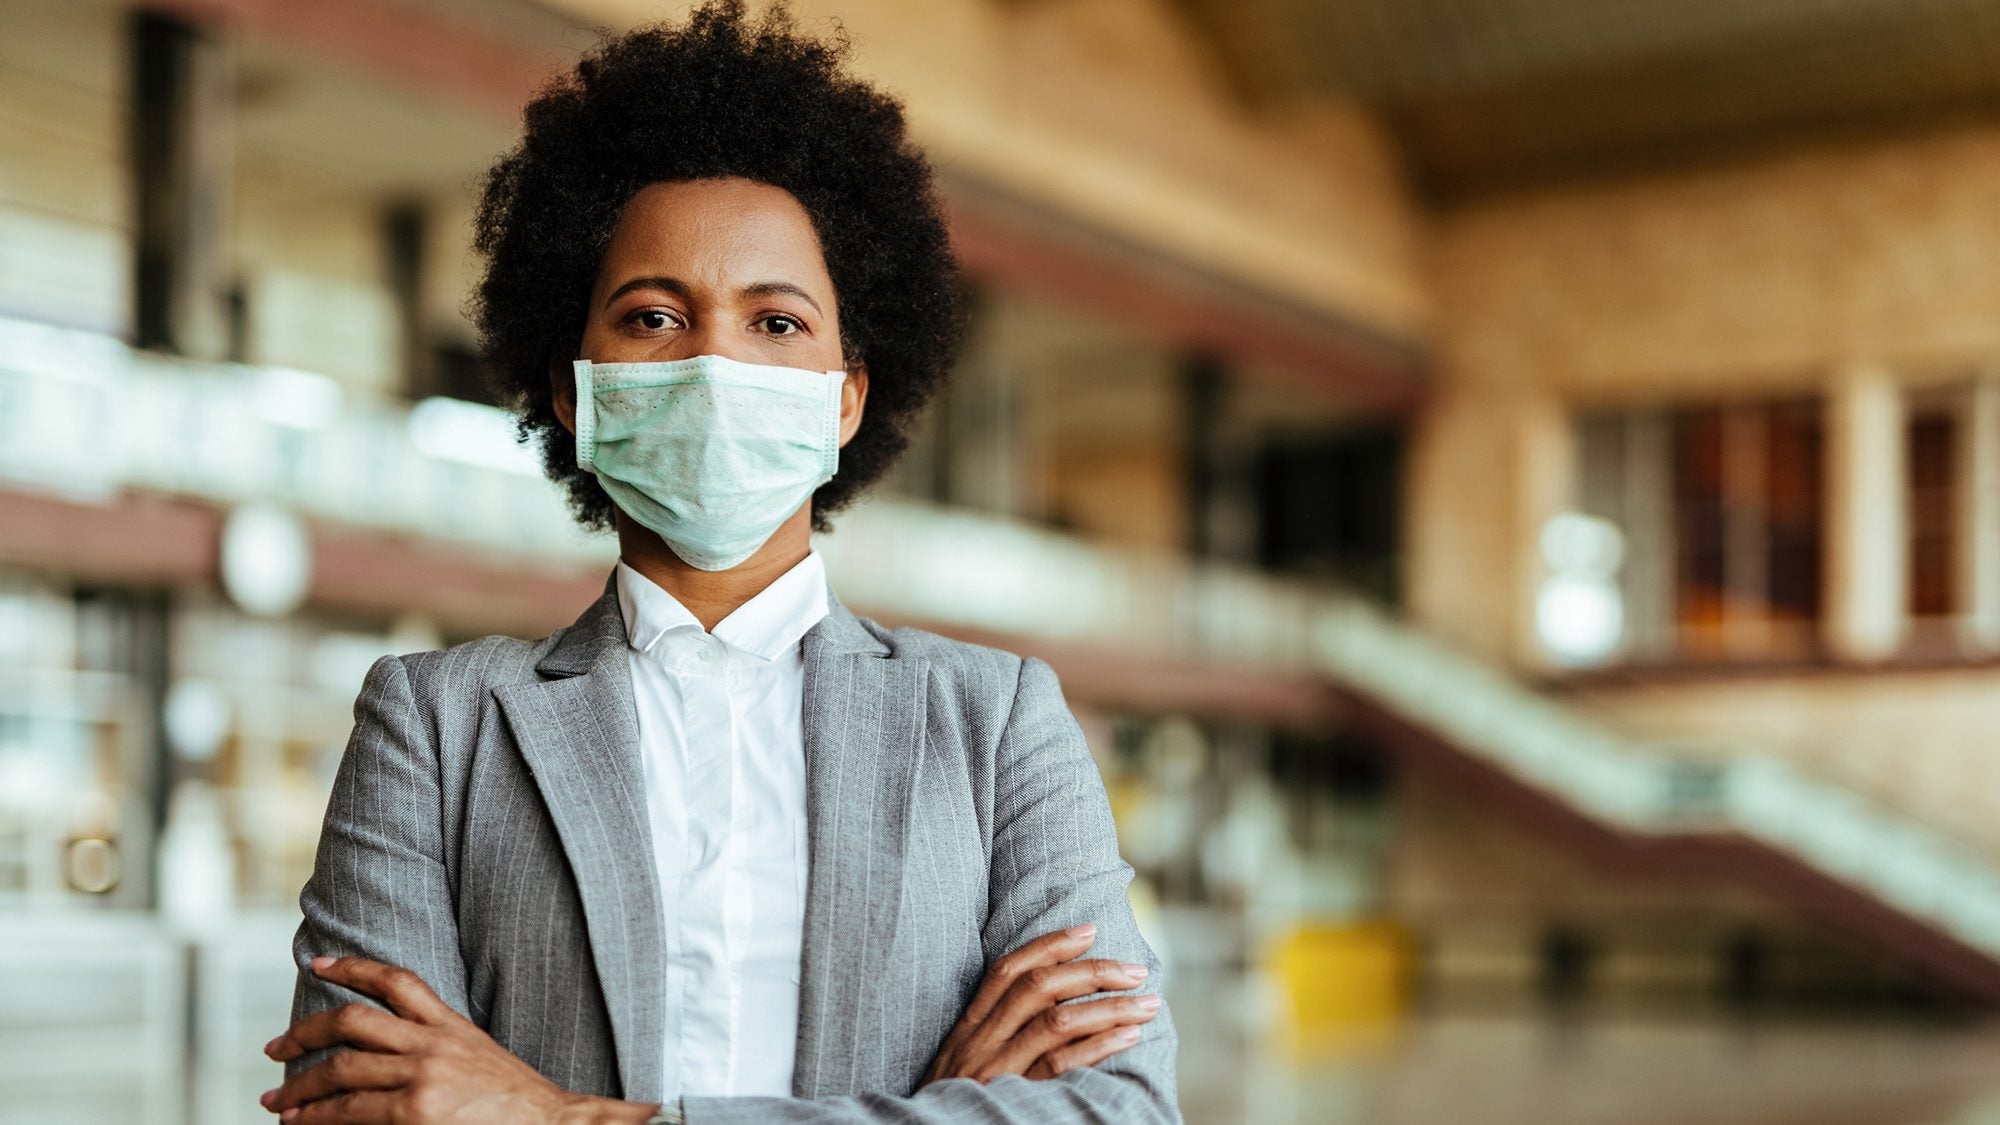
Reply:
x=1344, y=975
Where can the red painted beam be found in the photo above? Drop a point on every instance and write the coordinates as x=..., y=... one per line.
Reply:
x=1015, y=245
x=1114, y=678
x=140, y=541
x=157, y=542
x=465, y=590
x=451, y=59
x=148, y=541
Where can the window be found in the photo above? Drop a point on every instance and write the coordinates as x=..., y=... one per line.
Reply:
x=1722, y=512
x=1932, y=452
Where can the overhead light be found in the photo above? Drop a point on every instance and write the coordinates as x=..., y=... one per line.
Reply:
x=197, y=719
x=266, y=559
x=1580, y=610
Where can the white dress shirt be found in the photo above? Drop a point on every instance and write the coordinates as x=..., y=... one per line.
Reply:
x=722, y=736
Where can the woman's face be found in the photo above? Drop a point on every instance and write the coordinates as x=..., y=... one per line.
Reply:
x=728, y=267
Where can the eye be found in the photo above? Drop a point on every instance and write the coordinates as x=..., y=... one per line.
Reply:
x=652, y=320
x=778, y=324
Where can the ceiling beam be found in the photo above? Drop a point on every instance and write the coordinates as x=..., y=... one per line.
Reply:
x=1019, y=244
x=454, y=60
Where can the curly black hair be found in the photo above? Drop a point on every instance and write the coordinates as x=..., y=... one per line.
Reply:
x=718, y=96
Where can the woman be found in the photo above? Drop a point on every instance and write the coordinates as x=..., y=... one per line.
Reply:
x=720, y=850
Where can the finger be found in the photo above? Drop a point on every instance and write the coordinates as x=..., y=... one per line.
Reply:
x=1038, y=989
x=1064, y=1024
x=350, y=1025
x=363, y=1107
x=404, y=991
x=1049, y=949
x=1083, y=1052
x=343, y=1073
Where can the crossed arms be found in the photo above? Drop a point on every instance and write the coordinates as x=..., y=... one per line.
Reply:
x=1017, y=1055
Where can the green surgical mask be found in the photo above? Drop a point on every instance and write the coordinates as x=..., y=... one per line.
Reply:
x=711, y=453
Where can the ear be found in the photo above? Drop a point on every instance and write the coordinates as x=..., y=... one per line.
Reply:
x=853, y=396
x=562, y=388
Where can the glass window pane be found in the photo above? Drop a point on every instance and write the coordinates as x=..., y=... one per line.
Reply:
x=1932, y=459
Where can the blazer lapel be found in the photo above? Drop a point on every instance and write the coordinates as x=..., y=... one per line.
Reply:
x=579, y=733
x=864, y=714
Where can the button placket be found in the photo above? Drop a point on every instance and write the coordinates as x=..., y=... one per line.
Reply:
x=711, y=753
x=730, y=734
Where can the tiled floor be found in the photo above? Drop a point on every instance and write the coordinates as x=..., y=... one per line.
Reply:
x=1517, y=1070
x=1440, y=1070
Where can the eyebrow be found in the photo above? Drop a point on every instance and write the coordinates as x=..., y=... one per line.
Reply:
x=680, y=288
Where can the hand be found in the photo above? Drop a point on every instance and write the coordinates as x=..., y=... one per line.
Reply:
x=1014, y=1024
x=423, y=1065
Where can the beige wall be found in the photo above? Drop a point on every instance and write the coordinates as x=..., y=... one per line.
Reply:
x=1748, y=280
x=1738, y=278
x=1112, y=113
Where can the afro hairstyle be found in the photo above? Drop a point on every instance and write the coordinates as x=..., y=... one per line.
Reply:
x=720, y=95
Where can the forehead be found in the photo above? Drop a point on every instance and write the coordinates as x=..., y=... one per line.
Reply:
x=717, y=231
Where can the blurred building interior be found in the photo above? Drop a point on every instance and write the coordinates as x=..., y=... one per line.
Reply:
x=1512, y=491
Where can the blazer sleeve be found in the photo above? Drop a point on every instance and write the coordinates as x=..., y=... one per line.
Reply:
x=1055, y=864
x=378, y=887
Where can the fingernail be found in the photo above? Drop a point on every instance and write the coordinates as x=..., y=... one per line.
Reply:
x=321, y=962
x=1149, y=1002
x=272, y=1045
x=1136, y=971
x=1084, y=929
x=264, y=1099
x=294, y=1112
x=1129, y=1035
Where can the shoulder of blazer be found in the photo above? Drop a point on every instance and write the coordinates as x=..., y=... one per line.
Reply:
x=467, y=670
x=983, y=678
x=951, y=652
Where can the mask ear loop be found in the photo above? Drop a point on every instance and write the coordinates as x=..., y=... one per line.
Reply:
x=830, y=444
x=586, y=418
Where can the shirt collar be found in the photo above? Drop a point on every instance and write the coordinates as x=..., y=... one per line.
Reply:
x=766, y=626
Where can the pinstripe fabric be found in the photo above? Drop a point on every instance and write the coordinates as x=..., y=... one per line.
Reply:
x=487, y=829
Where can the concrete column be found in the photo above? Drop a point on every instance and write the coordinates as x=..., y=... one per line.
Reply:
x=1979, y=516
x=181, y=101
x=1461, y=523
x=1867, y=524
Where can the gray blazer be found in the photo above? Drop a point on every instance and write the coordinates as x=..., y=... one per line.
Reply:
x=488, y=830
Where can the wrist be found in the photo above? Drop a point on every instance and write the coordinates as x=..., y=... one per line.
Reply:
x=584, y=1110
